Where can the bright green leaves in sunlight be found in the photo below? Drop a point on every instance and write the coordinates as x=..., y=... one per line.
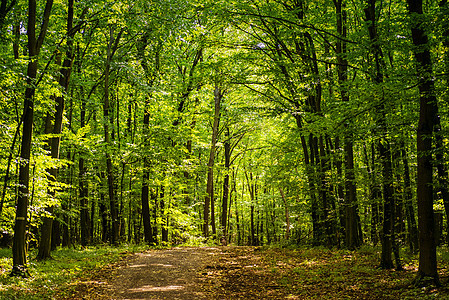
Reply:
x=256, y=122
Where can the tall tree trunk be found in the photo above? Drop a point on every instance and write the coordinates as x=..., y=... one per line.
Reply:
x=150, y=74
x=308, y=161
x=388, y=234
x=352, y=238
x=83, y=187
x=145, y=201
x=112, y=47
x=105, y=232
x=224, y=205
x=147, y=228
x=409, y=209
x=164, y=223
x=46, y=229
x=19, y=242
x=427, y=116
x=218, y=94
x=374, y=193
x=287, y=215
x=443, y=181
x=252, y=192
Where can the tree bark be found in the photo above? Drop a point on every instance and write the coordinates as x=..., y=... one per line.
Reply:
x=287, y=215
x=112, y=47
x=145, y=200
x=409, y=209
x=46, y=230
x=5, y=8
x=352, y=238
x=218, y=94
x=83, y=187
x=164, y=215
x=19, y=242
x=224, y=205
x=383, y=144
x=427, y=116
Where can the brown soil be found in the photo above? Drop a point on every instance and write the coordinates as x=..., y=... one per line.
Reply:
x=163, y=274
x=184, y=273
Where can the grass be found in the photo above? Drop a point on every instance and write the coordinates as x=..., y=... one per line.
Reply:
x=55, y=278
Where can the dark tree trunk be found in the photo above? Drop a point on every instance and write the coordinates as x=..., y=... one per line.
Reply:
x=102, y=210
x=45, y=243
x=56, y=234
x=19, y=250
x=252, y=192
x=427, y=116
x=387, y=229
x=224, y=205
x=218, y=94
x=145, y=198
x=147, y=228
x=112, y=47
x=150, y=232
x=374, y=193
x=83, y=189
x=164, y=224
x=5, y=7
x=287, y=215
x=388, y=234
x=352, y=238
x=409, y=209
x=443, y=181
x=155, y=200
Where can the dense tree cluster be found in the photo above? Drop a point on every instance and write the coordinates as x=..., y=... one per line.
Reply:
x=246, y=122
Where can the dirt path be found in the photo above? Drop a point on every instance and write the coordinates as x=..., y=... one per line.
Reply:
x=184, y=273
x=163, y=274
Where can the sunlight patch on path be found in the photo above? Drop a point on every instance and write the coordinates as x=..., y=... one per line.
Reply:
x=149, y=288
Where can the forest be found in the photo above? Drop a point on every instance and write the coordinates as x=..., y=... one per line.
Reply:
x=229, y=122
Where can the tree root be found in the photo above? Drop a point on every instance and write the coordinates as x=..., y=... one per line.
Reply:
x=20, y=271
x=423, y=280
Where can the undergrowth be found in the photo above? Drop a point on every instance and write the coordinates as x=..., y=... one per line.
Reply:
x=320, y=273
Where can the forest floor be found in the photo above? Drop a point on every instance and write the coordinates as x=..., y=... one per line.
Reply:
x=254, y=273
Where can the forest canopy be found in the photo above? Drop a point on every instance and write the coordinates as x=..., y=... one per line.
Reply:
x=244, y=122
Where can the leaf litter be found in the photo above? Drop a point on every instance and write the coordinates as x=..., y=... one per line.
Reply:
x=253, y=273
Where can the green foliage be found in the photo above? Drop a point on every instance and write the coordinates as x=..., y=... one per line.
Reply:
x=272, y=59
x=58, y=275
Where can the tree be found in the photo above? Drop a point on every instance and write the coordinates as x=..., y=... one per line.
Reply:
x=151, y=74
x=66, y=69
x=5, y=7
x=34, y=46
x=112, y=45
x=383, y=144
x=428, y=112
x=208, y=201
